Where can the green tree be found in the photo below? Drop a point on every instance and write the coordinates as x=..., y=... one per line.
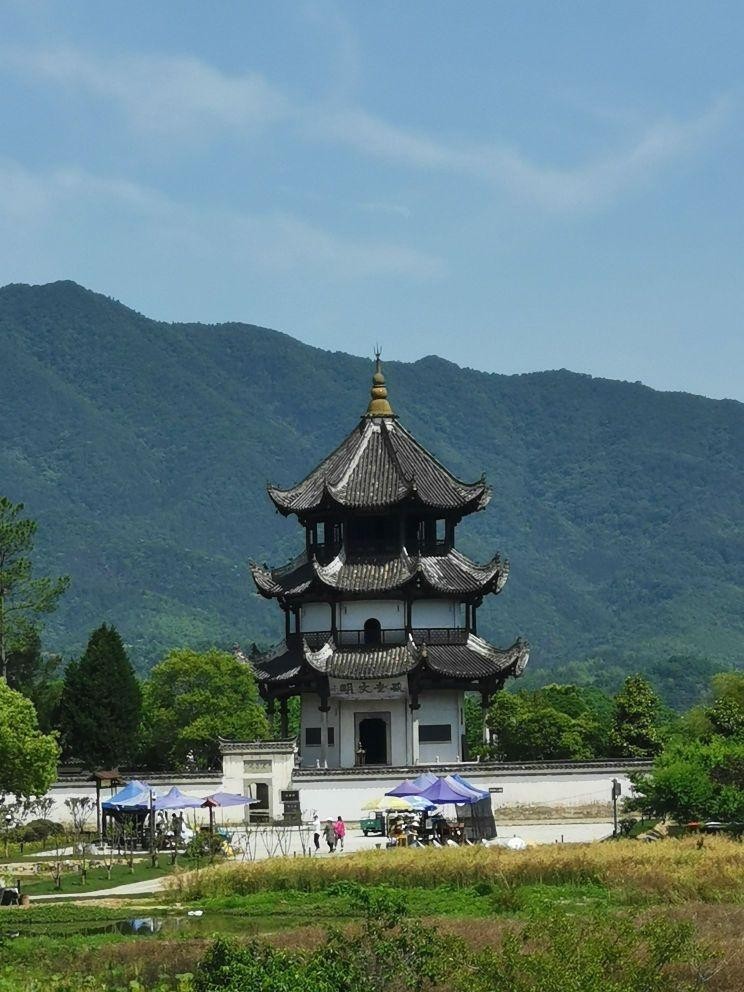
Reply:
x=28, y=758
x=23, y=599
x=190, y=700
x=101, y=703
x=729, y=686
x=557, y=722
x=37, y=676
x=693, y=780
x=635, y=731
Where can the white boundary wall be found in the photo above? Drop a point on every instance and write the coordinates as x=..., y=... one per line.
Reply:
x=333, y=793
x=563, y=788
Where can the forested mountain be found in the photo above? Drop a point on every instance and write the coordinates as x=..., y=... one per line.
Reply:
x=143, y=450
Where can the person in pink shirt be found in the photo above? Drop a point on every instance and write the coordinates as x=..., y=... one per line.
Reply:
x=339, y=829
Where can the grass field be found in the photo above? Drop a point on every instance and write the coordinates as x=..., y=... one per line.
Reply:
x=584, y=908
x=97, y=878
x=670, y=871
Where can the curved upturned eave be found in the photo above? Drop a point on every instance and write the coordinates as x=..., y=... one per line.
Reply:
x=315, y=492
x=471, y=660
x=439, y=573
x=478, y=659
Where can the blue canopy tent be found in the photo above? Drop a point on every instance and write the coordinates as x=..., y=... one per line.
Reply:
x=421, y=805
x=127, y=796
x=469, y=785
x=459, y=780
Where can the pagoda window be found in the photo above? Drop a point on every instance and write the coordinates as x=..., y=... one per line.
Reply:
x=414, y=534
x=434, y=536
x=372, y=631
x=313, y=736
x=435, y=733
x=324, y=534
x=371, y=535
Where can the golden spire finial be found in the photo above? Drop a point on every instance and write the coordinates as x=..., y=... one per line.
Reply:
x=378, y=404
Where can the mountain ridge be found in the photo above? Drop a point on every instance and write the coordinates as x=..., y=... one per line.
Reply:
x=143, y=448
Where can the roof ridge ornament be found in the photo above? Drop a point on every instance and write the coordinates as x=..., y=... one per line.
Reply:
x=378, y=404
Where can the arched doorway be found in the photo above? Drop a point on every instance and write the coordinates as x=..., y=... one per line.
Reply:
x=372, y=631
x=373, y=737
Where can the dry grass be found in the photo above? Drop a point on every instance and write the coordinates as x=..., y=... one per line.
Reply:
x=673, y=871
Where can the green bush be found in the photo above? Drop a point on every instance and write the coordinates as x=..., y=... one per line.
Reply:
x=563, y=952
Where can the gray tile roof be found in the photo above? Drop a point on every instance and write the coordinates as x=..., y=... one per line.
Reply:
x=379, y=465
x=451, y=573
x=476, y=659
x=470, y=660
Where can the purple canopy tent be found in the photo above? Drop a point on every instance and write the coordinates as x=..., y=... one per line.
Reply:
x=444, y=791
x=405, y=789
x=413, y=787
x=224, y=799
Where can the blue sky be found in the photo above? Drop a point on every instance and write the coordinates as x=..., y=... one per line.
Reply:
x=512, y=186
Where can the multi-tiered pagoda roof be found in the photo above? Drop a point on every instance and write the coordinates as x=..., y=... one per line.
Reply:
x=388, y=509
x=380, y=465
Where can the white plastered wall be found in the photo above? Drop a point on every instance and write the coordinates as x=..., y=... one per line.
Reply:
x=436, y=613
x=341, y=716
x=316, y=616
x=398, y=727
x=441, y=707
x=242, y=772
x=390, y=613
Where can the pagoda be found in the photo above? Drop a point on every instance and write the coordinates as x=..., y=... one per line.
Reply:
x=380, y=608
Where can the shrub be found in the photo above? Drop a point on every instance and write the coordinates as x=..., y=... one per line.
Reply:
x=600, y=953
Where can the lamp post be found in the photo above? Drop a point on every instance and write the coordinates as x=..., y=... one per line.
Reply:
x=616, y=791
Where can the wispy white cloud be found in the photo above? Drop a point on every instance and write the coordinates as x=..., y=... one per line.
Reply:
x=173, y=95
x=586, y=184
x=184, y=96
x=275, y=242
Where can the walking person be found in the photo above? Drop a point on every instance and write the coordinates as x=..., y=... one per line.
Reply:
x=339, y=828
x=316, y=830
x=330, y=836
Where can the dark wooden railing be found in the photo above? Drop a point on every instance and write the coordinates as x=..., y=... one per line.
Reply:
x=387, y=636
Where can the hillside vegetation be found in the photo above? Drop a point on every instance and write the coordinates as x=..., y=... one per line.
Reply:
x=143, y=449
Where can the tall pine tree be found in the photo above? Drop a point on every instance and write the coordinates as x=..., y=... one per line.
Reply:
x=635, y=731
x=101, y=703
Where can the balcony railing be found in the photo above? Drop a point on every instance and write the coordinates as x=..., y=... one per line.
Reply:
x=387, y=636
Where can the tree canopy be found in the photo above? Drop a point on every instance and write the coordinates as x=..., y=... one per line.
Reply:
x=699, y=774
x=557, y=722
x=190, y=700
x=635, y=732
x=23, y=598
x=101, y=702
x=28, y=758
